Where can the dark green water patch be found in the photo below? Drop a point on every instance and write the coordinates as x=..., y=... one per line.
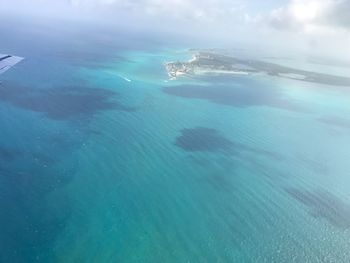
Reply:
x=63, y=103
x=34, y=207
x=324, y=205
x=203, y=139
x=236, y=96
x=29, y=221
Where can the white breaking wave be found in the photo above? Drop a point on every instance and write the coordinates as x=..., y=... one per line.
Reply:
x=124, y=78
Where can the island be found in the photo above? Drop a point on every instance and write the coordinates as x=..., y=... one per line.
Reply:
x=204, y=63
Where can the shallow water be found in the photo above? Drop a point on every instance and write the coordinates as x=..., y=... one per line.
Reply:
x=95, y=168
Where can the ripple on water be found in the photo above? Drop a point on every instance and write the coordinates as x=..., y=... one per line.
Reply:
x=34, y=206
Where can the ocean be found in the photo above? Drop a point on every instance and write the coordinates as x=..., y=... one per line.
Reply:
x=104, y=159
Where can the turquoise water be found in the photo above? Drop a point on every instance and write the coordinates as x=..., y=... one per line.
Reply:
x=96, y=168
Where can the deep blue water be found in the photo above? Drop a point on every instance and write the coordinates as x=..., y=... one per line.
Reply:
x=95, y=168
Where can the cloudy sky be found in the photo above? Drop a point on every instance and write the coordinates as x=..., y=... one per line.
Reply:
x=323, y=24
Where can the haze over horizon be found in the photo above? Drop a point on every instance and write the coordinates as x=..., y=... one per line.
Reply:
x=315, y=26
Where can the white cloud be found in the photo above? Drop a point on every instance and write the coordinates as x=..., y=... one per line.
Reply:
x=317, y=26
x=313, y=15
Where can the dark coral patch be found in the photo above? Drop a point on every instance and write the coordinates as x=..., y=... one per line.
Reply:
x=62, y=103
x=203, y=139
x=236, y=96
x=322, y=204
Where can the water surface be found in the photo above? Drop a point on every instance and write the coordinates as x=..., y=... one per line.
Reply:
x=95, y=168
